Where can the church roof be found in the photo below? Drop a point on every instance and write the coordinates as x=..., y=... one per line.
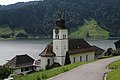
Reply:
x=79, y=46
x=117, y=44
x=60, y=24
x=74, y=46
x=20, y=61
x=48, y=51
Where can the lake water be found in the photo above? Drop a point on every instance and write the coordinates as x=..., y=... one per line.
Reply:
x=9, y=49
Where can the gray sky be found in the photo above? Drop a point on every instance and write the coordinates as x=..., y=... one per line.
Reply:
x=6, y=2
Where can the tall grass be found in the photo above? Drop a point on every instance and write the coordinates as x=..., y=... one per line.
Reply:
x=43, y=75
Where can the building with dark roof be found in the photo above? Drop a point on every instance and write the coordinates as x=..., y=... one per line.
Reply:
x=117, y=44
x=78, y=49
x=22, y=64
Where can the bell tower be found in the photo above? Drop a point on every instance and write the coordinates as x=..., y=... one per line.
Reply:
x=60, y=41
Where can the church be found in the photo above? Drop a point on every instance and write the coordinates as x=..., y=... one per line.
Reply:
x=54, y=53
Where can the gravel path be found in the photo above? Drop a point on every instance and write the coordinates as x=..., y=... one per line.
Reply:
x=91, y=71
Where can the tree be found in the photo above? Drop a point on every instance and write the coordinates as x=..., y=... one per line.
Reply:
x=67, y=59
x=109, y=52
x=22, y=35
x=5, y=71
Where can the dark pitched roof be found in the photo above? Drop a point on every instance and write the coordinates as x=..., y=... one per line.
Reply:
x=48, y=51
x=79, y=46
x=117, y=44
x=20, y=61
x=98, y=50
x=75, y=46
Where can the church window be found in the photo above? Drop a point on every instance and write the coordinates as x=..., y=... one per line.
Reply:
x=58, y=37
x=74, y=59
x=65, y=36
x=80, y=58
x=86, y=57
x=64, y=47
x=48, y=61
x=55, y=36
x=56, y=47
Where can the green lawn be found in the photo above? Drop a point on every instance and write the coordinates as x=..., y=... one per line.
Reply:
x=115, y=74
x=42, y=75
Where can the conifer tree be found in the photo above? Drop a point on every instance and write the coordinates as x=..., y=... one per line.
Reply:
x=67, y=59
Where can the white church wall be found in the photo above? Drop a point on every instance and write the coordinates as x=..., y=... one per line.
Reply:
x=60, y=45
x=44, y=61
x=83, y=55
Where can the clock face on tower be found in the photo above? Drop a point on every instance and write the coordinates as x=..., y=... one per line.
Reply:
x=57, y=31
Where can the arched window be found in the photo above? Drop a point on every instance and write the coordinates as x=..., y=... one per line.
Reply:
x=74, y=59
x=48, y=61
x=56, y=47
x=55, y=36
x=80, y=58
x=64, y=47
x=65, y=36
x=58, y=37
x=86, y=57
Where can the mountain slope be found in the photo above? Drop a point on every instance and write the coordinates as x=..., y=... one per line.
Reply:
x=39, y=19
x=17, y=5
x=90, y=29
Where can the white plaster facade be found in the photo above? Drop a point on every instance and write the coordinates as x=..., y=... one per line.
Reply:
x=60, y=45
x=45, y=62
x=23, y=70
x=82, y=57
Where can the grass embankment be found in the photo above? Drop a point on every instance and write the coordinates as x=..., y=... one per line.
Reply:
x=115, y=74
x=42, y=75
x=4, y=30
x=90, y=29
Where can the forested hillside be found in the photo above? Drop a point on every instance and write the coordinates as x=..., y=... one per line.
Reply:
x=39, y=19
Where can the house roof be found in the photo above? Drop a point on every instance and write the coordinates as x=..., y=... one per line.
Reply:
x=20, y=61
x=117, y=44
x=79, y=46
x=48, y=51
x=98, y=50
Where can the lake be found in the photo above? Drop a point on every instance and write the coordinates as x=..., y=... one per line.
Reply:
x=11, y=48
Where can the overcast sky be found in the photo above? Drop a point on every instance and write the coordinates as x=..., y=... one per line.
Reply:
x=6, y=2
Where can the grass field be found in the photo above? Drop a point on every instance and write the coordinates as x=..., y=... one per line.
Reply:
x=43, y=75
x=90, y=29
x=115, y=74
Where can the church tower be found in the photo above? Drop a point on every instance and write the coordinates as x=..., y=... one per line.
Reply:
x=60, y=41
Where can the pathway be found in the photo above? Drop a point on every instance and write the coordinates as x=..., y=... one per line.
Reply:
x=91, y=71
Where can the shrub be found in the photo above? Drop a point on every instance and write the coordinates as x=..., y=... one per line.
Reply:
x=67, y=59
